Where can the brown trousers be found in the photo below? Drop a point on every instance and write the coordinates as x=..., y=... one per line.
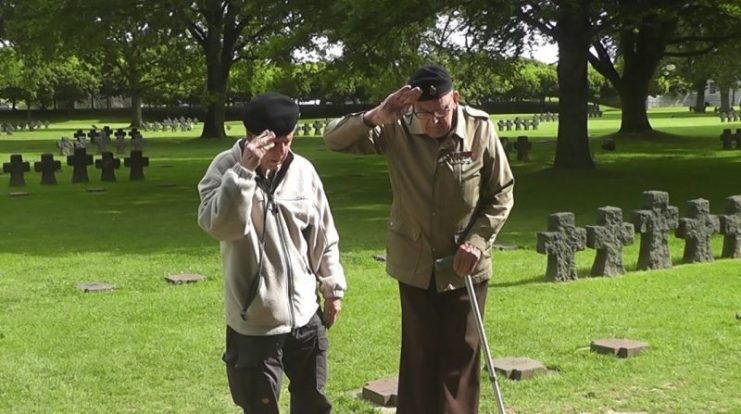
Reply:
x=439, y=371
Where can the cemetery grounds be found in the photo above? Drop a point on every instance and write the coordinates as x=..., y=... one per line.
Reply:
x=152, y=347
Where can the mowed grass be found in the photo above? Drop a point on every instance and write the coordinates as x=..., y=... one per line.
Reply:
x=150, y=347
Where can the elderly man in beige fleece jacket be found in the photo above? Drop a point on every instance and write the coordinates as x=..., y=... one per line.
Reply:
x=267, y=207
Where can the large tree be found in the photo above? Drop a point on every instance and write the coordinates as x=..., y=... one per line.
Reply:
x=646, y=31
x=229, y=31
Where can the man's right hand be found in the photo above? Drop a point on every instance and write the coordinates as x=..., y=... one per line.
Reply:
x=256, y=148
x=393, y=107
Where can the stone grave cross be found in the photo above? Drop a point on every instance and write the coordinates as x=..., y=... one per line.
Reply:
x=120, y=142
x=17, y=167
x=696, y=230
x=47, y=167
x=608, y=237
x=654, y=222
x=136, y=162
x=523, y=147
x=108, y=166
x=79, y=162
x=561, y=242
x=730, y=227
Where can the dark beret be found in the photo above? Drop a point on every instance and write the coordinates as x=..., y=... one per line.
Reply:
x=434, y=81
x=272, y=111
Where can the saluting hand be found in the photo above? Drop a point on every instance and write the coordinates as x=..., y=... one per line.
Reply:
x=465, y=259
x=394, y=106
x=256, y=148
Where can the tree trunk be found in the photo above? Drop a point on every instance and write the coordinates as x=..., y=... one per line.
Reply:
x=136, y=109
x=724, y=101
x=633, y=97
x=572, y=35
x=700, y=98
x=217, y=74
x=92, y=101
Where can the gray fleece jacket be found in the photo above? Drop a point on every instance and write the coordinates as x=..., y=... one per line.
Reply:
x=293, y=228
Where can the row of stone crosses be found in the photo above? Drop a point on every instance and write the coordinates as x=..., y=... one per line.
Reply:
x=305, y=128
x=102, y=140
x=729, y=139
x=526, y=124
x=9, y=127
x=182, y=123
x=48, y=166
x=654, y=221
x=731, y=116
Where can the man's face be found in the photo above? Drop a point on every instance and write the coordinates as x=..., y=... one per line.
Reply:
x=275, y=156
x=436, y=116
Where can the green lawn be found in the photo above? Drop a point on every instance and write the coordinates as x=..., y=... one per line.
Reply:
x=150, y=347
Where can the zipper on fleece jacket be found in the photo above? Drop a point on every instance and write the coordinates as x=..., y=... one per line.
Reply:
x=286, y=263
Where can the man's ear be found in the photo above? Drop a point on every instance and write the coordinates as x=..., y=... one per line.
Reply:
x=456, y=96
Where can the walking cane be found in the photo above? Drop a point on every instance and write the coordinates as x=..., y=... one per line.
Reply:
x=485, y=345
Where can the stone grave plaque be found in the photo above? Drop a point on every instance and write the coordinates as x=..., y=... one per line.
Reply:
x=18, y=194
x=382, y=392
x=504, y=246
x=95, y=189
x=380, y=257
x=622, y=348
x=167, y=185
x=96, y=287
x=517, y=368
x=179, y=279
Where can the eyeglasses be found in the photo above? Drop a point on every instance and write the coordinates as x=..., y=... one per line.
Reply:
x=426, y=115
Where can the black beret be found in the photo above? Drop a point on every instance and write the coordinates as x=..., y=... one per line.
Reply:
x=272, y=111
x=434, y=81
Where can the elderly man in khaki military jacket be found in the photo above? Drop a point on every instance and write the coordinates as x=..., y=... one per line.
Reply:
x=452, y=192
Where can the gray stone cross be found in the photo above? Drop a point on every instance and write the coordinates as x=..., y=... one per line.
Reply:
x=696, y=230
x=561, y=242
x=654, y=222
x=608, y=237
x=730, y=226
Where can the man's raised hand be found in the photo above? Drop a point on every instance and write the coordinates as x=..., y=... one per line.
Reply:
x=393, y=107
x=256, y=148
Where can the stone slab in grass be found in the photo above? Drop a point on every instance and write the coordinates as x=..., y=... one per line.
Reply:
x=505, y=246
x=95, y=189
x=96, y=287
x=18, y=194
x=622, y=348
x=179, y=279
x=519, y=368
x=382, y=391
x=167, y=185
x=380, y=257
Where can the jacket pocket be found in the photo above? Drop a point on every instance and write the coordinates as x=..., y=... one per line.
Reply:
x=403, y=247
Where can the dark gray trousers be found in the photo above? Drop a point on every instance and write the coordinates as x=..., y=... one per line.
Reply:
x=255, y=366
